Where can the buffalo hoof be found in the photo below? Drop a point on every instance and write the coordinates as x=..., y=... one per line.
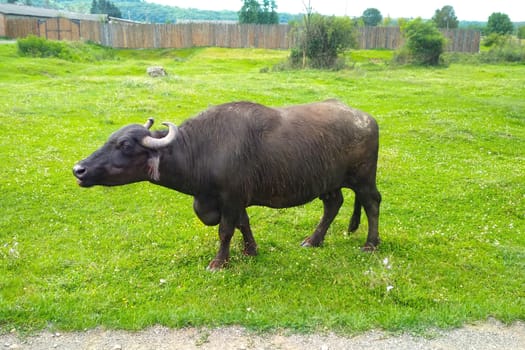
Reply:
x=354, y=225
x=217, y=265
x=250, y=251
x=307, y=243
x=369, y=248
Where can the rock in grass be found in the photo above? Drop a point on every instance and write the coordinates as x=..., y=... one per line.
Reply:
x=156, y=71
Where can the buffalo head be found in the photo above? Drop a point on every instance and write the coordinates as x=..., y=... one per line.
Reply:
x=130, y=155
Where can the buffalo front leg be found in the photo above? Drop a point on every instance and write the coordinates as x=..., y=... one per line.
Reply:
x=250, y=247
x=229, y=220
x=332, y=202
x=371, y=199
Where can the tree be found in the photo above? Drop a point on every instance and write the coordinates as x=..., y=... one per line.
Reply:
x=387, y=21
x=446, y=18
x=499, y=23
x=269, y=15
x=323, y=39
x=252, y=12
x=424, y=42
x=105, y=7
x=372, y=17
x=249, y=12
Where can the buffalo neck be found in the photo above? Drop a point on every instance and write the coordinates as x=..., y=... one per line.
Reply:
x=176, y=169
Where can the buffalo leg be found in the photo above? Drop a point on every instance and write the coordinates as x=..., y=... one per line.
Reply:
x=371, y=199
x=356, y=216
x=332, y=202
x=229, y=220
x=250, y=247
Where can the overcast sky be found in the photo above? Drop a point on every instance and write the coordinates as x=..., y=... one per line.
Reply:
x=467, y=10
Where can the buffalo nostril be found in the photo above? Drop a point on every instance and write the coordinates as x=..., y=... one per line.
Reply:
x=79, y=170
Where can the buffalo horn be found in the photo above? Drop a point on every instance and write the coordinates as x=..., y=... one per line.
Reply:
x=153, y=143
x=149, y=123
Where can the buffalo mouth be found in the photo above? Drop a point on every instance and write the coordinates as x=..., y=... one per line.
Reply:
x=83, y=183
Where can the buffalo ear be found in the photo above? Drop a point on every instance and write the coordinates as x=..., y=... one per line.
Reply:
x=154, y=143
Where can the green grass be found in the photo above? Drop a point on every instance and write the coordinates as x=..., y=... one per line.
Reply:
x=451, y=172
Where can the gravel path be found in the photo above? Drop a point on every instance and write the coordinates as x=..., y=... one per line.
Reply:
x=489, y=335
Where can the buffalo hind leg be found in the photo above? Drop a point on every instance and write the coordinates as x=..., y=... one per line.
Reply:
x=250, y=247
x=332, y=202
x=370, y=198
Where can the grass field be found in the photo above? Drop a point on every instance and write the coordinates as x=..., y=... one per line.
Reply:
x=451, y=172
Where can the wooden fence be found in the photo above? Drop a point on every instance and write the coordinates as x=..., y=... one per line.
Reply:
x=379, y=38
x=144, y=36
x=231, y=35
x=458, y=40
x=60, y=29
x=462, y=40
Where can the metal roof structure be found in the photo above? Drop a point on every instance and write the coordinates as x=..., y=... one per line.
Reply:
x=30, y=11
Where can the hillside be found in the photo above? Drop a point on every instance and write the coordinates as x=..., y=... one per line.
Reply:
x=143, y=11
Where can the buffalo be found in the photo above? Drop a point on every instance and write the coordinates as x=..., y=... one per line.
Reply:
x=239, y=154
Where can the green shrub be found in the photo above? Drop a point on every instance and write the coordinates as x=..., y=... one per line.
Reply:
x=424, y=42
x=494, y=39
x=401, y=56
x=504, y=52
x=521, y=32
x=35, y=46
x=322, y=39
x=296, y=57
x=503, y=49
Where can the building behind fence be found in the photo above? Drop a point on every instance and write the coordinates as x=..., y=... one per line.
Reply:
x=121, y=34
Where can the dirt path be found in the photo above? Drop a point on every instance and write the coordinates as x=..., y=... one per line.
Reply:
x=490, y=335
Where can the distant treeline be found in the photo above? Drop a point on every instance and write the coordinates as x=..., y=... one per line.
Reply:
x=143, y=11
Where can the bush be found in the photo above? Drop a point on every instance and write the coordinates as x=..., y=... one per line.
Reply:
x=521, y=32
x=503, y=49
x=401, y=56
x=494, y=39
x=424, y=42
x=322, y=39
x=34, y=46
x=296, y=58
x=507, y=51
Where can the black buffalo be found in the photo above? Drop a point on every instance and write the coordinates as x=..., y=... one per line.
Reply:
x=239, y=154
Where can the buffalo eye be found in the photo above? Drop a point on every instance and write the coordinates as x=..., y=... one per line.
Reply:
x=125, y=146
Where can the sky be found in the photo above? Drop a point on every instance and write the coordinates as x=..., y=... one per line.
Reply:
x=466, y=10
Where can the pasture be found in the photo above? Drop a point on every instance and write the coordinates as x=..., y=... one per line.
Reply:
x=451, y=173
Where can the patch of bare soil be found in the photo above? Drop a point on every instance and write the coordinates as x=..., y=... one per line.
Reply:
x=489, y=335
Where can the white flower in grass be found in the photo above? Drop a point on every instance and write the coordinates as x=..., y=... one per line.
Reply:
x=387, y=264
